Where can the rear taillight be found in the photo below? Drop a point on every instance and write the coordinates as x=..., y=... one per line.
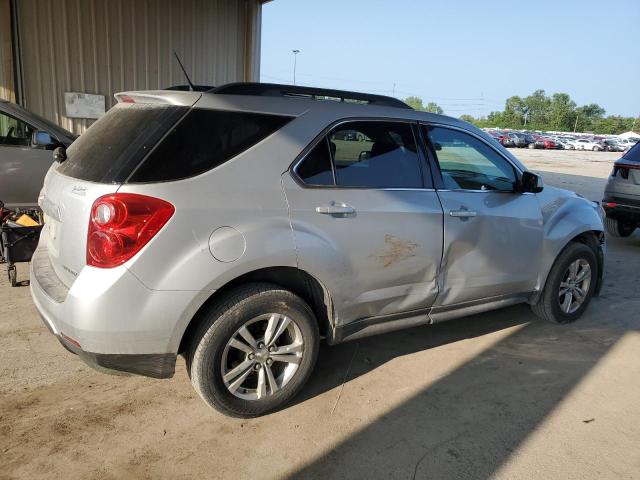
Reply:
x=121, y=224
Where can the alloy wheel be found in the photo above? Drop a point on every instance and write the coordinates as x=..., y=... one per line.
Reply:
x=574, y=286
x=262, y=356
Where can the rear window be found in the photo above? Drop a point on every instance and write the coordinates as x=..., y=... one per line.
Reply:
x=633, y=153
x=111, y=149
x=205, y=139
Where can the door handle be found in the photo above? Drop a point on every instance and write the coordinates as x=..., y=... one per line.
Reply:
x=463, y=213
x=335, y=208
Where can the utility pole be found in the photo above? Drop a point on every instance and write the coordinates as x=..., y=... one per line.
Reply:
x=575, y=125
x=295, y=58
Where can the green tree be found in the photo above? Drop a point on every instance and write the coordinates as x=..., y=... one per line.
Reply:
x=468, y=118
x=561, y=112
x=415, y=103
x=433, y=107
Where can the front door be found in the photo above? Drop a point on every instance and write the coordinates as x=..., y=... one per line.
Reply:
x=492, y=235
x=366, y=223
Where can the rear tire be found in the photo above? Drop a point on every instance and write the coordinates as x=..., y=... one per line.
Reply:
x=618, y=229
x=551, y=304
x=215, y=363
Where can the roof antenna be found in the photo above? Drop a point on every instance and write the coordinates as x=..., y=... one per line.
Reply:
x=191, y=88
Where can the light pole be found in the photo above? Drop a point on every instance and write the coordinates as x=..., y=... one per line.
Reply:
x=295, y=58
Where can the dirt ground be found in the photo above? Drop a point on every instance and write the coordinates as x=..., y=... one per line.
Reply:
x=496, y=395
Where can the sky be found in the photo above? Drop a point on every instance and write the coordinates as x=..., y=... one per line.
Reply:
x=467, y=56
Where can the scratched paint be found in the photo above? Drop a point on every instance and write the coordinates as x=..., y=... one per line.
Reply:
x=395, y=250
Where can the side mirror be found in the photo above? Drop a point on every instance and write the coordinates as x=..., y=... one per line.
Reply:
x=531, y=183
x=60, y=154
x=42, y=139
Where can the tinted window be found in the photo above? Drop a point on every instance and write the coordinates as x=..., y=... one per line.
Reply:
x=14, y=131
x=633, y=153
x=205, y=139
x=375, y=154
x=468, y=163
x=315, y=169
x=113, y=146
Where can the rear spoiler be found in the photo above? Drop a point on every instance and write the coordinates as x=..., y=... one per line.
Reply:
x=167, y=97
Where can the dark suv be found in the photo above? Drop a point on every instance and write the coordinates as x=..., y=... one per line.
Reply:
x=622, y=195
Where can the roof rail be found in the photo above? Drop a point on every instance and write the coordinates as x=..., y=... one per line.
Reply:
x=278, y=90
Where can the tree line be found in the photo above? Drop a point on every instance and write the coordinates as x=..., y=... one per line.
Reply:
x=540, y=111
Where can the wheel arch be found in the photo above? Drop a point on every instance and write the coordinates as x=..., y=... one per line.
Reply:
x=595, y=239
x=293, y=279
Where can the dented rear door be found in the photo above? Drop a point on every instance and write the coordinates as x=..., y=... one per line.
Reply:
x=377, y=249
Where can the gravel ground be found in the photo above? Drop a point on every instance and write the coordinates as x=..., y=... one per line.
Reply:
x=496, y=395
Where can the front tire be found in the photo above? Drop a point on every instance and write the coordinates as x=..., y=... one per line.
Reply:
x=254, y=350
x=570, y=285
x=619, y=229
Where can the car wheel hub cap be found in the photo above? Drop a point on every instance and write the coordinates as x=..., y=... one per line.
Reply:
x=262, y=356
x=574, y=286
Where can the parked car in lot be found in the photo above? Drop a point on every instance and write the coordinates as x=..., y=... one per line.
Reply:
x=622, y=195
x=626, y=143
x=189, y=223
x=519, y=140
x=503, y=139
x=612, y=145
x=26, y=141
x=550, y=144
x=586, y=144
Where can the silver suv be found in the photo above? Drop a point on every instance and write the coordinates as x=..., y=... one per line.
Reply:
x=239, y=227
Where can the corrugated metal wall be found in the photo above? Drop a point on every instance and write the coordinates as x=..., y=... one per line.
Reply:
x=107, y=46
x=6, y=60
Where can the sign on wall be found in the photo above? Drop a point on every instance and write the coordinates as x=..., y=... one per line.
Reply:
x=83, y=105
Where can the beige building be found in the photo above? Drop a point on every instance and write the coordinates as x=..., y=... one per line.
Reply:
x=99, y=47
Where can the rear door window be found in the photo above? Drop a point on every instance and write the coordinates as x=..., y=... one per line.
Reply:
x=375, y=154
x=114, y=145
x=203, y=140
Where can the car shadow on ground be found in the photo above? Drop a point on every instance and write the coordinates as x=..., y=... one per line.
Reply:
x=468, y=423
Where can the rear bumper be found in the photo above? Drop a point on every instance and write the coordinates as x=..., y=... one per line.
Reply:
x=159, y=365
x=110, y=319
x=615, y=206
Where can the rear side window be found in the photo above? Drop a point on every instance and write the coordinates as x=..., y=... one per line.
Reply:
x=114, y=145
x=633, y=153
x=205, y=139
x=376, y=155
x=316, y=167
x=371, y=154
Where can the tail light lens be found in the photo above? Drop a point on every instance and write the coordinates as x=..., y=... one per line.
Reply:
x=121, y=224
